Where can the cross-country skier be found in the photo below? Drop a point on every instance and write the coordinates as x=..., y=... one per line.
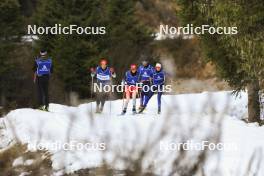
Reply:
x=145, y=78
x=158, y=80
x=43, y=68
x=131, y=87
x=104, y=75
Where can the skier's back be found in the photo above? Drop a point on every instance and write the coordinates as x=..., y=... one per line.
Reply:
x=43, y=68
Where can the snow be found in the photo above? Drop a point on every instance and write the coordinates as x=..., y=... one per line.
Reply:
x=29, y=162
x=108, y=136
x=18, y=161
x=29, y=38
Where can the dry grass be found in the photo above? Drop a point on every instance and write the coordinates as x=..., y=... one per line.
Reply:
x=31, y=163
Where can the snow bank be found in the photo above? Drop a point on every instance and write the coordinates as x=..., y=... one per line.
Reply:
x=109, y=134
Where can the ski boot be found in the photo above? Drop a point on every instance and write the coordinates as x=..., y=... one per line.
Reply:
x=97, y=110
x=124, y=111
x=134, y=111
x=101, y=109
x=42, y=108
x=159, y=110
x=142, y=109
x=46, y=108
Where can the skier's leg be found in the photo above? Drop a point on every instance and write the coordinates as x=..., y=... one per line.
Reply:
x=141, y=97
x=134, y=97
x=127, y=98
x=104, y=97
x=145, y=97
x=102, y=101
x=127, y=92
x=46, y=92
x=148, y=98
x=144, y=102
x=148, y=95
x=40, y=92
x=159, y=101
x=98, y=99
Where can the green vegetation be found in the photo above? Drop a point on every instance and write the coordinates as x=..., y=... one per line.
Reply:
x=74, y=54
x=238, y=58
x=11, y=28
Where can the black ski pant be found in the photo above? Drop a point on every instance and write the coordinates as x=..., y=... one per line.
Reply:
x=101, y=97
x=43, y=90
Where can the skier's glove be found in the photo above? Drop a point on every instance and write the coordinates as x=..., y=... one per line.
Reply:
x=92, y=70
x=123, y=83
x=112, y=70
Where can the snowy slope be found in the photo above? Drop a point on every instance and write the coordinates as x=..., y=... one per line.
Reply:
x=185, y=117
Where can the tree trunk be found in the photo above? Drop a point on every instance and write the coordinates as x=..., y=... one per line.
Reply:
x=253, y=101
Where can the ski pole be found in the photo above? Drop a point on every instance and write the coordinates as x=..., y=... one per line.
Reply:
x=123, y=100
x=91, y=96
x=123, y=96
x=113, y=75
x=92, y=87
x=110, y=102
x=139, y=92
x=110, y=99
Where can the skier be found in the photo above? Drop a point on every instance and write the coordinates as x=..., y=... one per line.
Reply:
x=145, y=78
x=130, y=81
x=43, y=68
x=158, y=80
x=104, y=75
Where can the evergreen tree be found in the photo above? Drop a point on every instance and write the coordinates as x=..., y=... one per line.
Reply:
x=10, y=32
x=239, y=58
x=73, y=54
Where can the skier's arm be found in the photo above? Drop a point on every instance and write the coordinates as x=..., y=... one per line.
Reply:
x=113, y=74
x=34, y=71
x=140, y=75
x=35, y=77
x=139, y=83
x=164, y=78
x=123, y=82
x=151, y=76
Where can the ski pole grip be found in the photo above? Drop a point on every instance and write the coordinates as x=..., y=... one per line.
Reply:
x=112, y=70
x=92, y=70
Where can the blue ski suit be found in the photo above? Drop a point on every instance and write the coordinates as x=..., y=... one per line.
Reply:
x=158, y=80
x=145, y=77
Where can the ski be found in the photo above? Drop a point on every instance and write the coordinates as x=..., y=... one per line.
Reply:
x=141, y=110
